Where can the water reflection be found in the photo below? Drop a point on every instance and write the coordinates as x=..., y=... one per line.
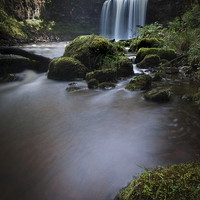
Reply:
x=86, y=144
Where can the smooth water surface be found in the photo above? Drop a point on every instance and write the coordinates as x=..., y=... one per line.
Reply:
x=85, y=145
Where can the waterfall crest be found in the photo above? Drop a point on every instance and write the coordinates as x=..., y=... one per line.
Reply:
x=119, y=18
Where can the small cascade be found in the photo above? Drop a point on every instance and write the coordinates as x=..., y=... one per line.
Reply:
x=119, y=18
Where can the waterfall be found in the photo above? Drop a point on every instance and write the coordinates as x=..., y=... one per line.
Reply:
x=119, y=18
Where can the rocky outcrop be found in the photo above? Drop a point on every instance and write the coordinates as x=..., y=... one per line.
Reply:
x=164, y=10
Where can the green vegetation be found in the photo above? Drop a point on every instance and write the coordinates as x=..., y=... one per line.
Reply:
x=181, y=182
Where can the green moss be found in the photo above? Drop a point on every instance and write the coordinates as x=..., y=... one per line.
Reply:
x=108, y=75
x=168, y=54
x=72, y=88
x=141, y=82
x=91, y=50
x=124, y=67
x=92, y=84
x=159, y=94
x=179, y=182
x=149, y=61
x=145, y=43
x=157, y=76
x=66, y=68
x=196, y=97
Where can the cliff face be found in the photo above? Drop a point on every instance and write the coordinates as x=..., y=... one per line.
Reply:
x=57, y=10
x=164, y=10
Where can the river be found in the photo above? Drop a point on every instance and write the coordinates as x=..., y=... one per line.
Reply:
x=85, y=145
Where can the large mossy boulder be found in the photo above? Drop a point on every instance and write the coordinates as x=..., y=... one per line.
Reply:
x=149, y=61
x=91, y=50
x=108, y=75
x=124, y=67
x=168, y=54
x=66, y=69
x=16, y=65
x=145, y=43
x=141, y=82
x=159, y=94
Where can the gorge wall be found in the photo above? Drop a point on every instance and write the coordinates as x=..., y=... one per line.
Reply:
x=87, y=10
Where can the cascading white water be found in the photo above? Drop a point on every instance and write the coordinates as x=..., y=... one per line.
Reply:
x=119, y=18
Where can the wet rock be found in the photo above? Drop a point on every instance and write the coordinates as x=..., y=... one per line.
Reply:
x=66, y=69
x=16, y=65
x=158, y=76
x=141, y=82
x=92, y=83
x=125, y=67
x=159, y=94
x=145, y=43
x=188, y=97
x=108, y=75
x=163, y=53
x=13, y=77
x=107, y=85
x=73, y=88
x=149, y=61
x=171, y=70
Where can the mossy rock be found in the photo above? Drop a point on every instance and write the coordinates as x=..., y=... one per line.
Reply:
x=73, y=88
x=91, y=50
x=125, y=67
x=159, y=94
x=146, y=43
x=108, y=75
x=188, y=97
x=16, y=65
x=196, y=97
x=107, y=85
x=149, y=61
x=13, y=77
x=92, y=83
x=175, y=182
x=168, y=54
x=158, y=76
x=171, y=70
x=66, y=69
x=141, y=82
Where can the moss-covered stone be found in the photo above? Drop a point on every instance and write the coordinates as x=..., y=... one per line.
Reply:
x=16, y=65
x=168, y=54
x=66, y=69
x=159, y=94
x=124, y=67
x=145, y=43
x=149, y=61
x=141, y=82
x=91, y=51
x=157, y=76
x=172, y=182
x=92, y=83
x=73, y=88
x=13, y=77
x=188, y=97
x=108, y=75
x=196, y=97
x=171, y=70
x=106, y=85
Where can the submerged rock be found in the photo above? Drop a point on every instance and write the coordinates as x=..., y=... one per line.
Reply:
x=159, y=94
x=141, y=82
x=66, y=69
x=107, y=85
x=168, y=54
x=157, y=76
x=149, y=61
x=13, y=77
